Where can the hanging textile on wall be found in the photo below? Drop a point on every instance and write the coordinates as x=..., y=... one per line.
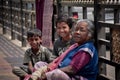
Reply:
x=44, y=11
x=47, y=23
x=39, y=13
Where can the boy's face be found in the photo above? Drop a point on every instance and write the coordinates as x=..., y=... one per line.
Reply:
x=63, y=29
x=34, y=42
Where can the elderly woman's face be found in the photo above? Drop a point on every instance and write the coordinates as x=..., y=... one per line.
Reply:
x=80, y=34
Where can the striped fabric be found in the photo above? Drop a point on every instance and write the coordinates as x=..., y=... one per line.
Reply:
x=44, y=11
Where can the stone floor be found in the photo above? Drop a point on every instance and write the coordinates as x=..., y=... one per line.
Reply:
x=10, y=55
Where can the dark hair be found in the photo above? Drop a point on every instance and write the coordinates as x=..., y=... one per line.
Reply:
x=34, y=32
x=65, y=19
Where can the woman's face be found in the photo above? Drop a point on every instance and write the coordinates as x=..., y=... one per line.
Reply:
x=80, y=34
x=63, y=29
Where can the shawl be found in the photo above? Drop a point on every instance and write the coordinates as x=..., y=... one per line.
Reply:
x=58, y=60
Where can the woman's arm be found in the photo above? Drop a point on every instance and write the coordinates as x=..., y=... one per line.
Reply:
x=79, y=61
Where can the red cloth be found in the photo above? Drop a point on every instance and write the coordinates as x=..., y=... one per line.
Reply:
x=80, y=60
x=27, y=77
x=39, y=13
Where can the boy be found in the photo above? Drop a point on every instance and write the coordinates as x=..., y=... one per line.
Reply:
x=64, y=26
x=36, y=53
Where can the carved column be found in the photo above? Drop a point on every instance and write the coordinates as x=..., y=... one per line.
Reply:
x=116, y=45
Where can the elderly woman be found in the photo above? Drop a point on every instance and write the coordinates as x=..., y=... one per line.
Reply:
x=78, y=62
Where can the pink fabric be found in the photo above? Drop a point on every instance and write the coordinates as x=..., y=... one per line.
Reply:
x=56, y=62
x=27, y=77
x=57, y=75
x=80, y=60
x=47, y=23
